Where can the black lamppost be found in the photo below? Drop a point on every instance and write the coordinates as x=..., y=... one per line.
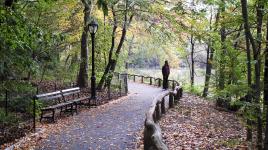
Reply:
x=93, y=27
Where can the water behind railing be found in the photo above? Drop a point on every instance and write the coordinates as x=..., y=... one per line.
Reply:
x=181, y=74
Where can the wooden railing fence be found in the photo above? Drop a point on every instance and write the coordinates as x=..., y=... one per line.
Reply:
x=152, y=132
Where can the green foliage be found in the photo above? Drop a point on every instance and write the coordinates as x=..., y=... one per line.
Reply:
x=103, y=4
x=8, y=120
x=197, y=90
x=19, y=96
x=232, y=143
x=25, y=47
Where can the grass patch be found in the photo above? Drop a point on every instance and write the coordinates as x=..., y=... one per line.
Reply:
x=231, y=143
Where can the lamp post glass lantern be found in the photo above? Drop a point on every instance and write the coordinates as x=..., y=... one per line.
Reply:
x=93, y=27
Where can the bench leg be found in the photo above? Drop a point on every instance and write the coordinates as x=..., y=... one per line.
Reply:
x=41, y=116
x=60, y=111
x=53, y=115
x=76, y=108
x=89, y=103
x=72, y=109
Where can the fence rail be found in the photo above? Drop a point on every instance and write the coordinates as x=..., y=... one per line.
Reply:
x=152, y=80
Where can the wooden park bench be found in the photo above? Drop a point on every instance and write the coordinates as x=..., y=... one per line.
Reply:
x=66, y=100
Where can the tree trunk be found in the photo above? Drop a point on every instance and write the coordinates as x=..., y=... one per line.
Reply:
x=265, y=91
x=210, y=55
x=192, y=60
x=82, y=79
x=222, y=60
x=108, y=66
x=222, y=101
x=118, y=50
x=256, y=52
x=112, y=62
x=257, y=58
x=249, y=96
x=208, y=69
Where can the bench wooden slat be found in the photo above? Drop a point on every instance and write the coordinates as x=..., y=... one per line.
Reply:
x=42, y=96
x=70, y=93
x=80, y=99
x=70, y=90
x=51, y=97
x=57, y=106
x=62, y=105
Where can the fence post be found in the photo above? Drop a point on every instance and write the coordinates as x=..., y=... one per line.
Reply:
x=6, y=99
x=180, y=91
x=120, y=87
x=163, y=109
x=157, y=111
x=173, y=85
x=176, y=97
x=55, y=86
x=125, y=76
x=134, y=78
x=34, y=112
x=154, y=116
x=159, y=83
x=109, y=90
x=171, y=100
x=150, y=80
x=141, y=79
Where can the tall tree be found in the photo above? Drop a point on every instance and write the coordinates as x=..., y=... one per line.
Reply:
x=192, y=58
x=115, y=52
x=265, y=91
x=256, y=47
x=249, y=80
x=210, y=54
x=223, y=51
x=82, y=80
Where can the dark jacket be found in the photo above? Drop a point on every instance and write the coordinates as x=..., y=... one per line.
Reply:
x=165, y=70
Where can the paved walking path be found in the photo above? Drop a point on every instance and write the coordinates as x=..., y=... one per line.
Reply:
x=110, y=128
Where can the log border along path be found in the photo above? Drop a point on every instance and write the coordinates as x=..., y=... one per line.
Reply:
x=108, y=127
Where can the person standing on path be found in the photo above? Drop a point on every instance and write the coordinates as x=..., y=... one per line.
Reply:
x=165, y=73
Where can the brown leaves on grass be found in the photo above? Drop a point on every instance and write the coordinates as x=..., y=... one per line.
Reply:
x=195, y=124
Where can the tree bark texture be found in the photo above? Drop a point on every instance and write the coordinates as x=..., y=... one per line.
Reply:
x=210, y=55
x=249, y=95
x=256, y=51
x=208, y=70
x=192, y=60
x=82, y=80
x=265, y=92
x=112, y=62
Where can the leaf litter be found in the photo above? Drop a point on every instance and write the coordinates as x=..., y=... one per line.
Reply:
x=195, y=124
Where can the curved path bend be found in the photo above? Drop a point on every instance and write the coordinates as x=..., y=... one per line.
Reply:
x=111, y=128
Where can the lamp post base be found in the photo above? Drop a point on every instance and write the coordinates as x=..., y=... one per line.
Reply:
x=93, y=88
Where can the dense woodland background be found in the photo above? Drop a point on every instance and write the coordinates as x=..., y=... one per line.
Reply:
x=216, y=48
